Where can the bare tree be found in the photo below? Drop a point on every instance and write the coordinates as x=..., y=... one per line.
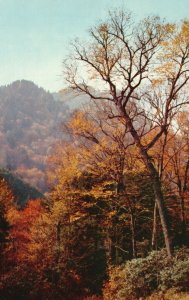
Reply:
x=143, y=70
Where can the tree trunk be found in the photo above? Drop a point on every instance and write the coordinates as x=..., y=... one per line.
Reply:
x=183, y=221
x=159, y=200
x=154, y=177
x=116, y=248
x=154, y=230
x=133, y=235
x=182, y=202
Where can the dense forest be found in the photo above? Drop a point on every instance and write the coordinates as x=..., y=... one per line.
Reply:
x=114, y=224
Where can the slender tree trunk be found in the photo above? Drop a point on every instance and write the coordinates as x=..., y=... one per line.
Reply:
x=161, y=169
x=154, y=230
x=183, y=221
x=182, y=202
x=116, y=248
x=159, y=200
x=154, y=177
x=108, y=247
x=133, y=235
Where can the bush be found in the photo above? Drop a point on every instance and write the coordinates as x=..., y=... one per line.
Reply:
x=143, y=276
x=171, y=294
x=178, y=275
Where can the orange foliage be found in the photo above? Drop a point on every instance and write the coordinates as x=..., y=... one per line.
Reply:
x=20, y=234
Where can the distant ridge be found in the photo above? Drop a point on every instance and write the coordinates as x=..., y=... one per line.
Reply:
x=30, y=124
x=30, y=121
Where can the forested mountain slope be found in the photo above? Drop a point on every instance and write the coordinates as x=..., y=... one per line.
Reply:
x=21, y=190
x=30, y=120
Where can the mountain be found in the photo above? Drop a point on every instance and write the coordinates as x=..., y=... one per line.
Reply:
x=22, y=191
x=30, y=120
x=71, y=99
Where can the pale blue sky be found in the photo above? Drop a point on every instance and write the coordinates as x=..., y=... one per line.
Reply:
x=34, y=34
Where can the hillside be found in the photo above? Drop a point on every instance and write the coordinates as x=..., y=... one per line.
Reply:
x=21, y=190
x=30, y=121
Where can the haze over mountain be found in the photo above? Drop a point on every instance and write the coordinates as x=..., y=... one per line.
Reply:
x=30, y=120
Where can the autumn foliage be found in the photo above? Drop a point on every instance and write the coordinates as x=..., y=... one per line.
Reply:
x=115, y=224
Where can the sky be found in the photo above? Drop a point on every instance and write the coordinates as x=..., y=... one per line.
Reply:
x=35, y=34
